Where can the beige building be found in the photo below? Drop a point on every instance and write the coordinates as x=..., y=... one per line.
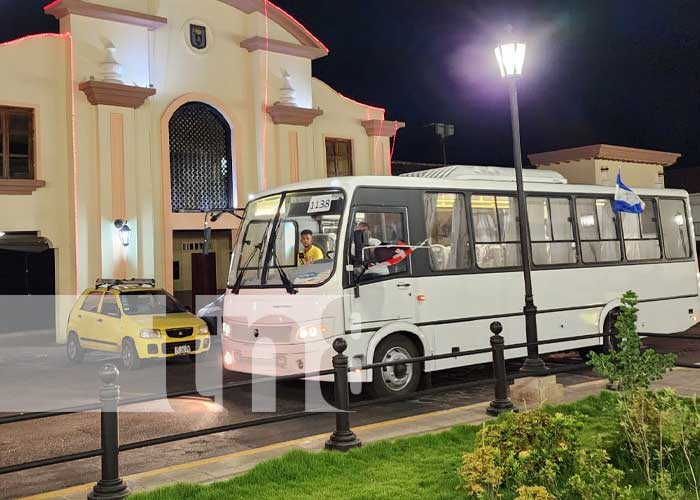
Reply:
x=600, y=164
x=154, y=112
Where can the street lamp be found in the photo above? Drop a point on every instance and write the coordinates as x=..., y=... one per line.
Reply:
x=511, y=57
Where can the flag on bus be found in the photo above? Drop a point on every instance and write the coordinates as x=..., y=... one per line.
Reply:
x=626, y=200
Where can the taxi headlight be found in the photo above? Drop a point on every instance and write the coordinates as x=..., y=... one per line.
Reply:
x=203, y=330
x=149, y=333
x=310, y=332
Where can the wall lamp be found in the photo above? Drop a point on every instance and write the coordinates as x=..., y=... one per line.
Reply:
x=124, y=231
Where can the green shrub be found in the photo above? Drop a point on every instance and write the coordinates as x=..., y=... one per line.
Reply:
x=626, y=366
x=596, y=478
x=534, y=493
x=537, y=456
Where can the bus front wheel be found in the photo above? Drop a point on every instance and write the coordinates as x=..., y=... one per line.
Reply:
x=398, y=379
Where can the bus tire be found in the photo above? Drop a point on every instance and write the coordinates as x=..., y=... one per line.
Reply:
x=74, y=351
x=398, y=379
x=130, y=356
x=611, y=341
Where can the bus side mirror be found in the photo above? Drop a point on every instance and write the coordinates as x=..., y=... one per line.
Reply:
x=360, y=239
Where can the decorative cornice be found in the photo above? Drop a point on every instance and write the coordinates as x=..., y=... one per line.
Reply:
x=20, y=186
x=607, y=152
x=282, y=18
x=291, y=115
x=382, y=128
x=115, y=94
x=292, y=49
x=62, y=8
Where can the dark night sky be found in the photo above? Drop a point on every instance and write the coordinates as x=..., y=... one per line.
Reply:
x=612, y=71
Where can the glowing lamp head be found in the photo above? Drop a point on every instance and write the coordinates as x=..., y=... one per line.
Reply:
x=510, y=57
x=2, y=234
x=124, y=232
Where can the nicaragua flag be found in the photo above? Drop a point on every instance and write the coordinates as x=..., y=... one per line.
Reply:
x=626, y=200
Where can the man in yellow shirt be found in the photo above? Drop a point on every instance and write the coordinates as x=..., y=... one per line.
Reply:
x=310, y=251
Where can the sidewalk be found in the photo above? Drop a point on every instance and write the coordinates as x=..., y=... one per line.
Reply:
x=684, y=380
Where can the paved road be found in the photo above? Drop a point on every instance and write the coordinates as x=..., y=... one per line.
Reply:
x=73, y=433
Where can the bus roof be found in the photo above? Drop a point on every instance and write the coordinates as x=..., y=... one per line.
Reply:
x=468, y=177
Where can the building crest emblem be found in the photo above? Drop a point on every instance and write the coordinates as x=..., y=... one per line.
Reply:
x=198, y=36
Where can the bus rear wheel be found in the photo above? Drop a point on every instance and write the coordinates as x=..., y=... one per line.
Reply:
x=399, y=379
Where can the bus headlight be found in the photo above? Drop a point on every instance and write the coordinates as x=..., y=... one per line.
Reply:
x=203, y=330
x=149, y=333
x=310, y=332
x=226, y=329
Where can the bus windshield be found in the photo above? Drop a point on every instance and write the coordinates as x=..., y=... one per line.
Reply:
x=305, y=227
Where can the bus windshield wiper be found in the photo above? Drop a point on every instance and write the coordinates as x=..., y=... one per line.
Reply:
x=283, y=276
x=236, y=287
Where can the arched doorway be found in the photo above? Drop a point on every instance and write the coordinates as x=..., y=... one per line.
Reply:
x=201, y=166
x=202, y=178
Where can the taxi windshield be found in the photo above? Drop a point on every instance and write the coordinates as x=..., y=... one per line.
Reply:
x=303, y=227
x=154, y=302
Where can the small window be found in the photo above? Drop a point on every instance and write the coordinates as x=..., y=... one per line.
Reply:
x=338, y=157
x=110, y=307
x=641, y=233
x=92, y=302
x=385, y=229
x=674, y=225
x=16, y=143
x=597, y=231
x=496, y=231
x=448, y=235
x=551, y=231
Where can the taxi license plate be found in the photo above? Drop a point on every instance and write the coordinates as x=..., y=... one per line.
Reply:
x=182, y=349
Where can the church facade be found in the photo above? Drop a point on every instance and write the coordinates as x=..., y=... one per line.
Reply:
x=120, y=133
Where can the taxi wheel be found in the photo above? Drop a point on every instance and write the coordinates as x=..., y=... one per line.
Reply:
x=74, y=350
x=130, y=356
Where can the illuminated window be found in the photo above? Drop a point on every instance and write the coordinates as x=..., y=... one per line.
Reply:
x=201, y=172
x=551, y=231
x=16, y=143
x=496, y=231
x=597, y=231
x=446, y=224
x=338, y=157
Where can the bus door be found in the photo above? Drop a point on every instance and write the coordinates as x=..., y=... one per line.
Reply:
x=384, y=291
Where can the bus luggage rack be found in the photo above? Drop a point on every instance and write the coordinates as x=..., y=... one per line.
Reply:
x=341, y=439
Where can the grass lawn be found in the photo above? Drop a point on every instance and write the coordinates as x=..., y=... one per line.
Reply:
x=422, y=467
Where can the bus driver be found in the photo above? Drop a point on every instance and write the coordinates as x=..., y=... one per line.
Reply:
x=310, y=251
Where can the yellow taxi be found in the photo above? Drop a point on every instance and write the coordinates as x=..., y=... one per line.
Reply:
x=133, y=318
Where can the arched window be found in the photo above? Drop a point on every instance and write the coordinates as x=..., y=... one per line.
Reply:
x=201, y=174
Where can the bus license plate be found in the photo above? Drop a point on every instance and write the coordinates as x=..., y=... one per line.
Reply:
x=182, y=349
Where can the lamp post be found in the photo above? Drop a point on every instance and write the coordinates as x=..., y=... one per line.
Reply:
x=510, y=57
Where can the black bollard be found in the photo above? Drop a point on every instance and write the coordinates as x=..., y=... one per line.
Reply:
x=111, y=486
x=502, y=403
x=342, y=438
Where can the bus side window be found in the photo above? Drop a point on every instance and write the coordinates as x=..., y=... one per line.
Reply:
x=384, y=228
x=674, y=227
x=551, y=231
x=448, y=235
x=496, y=233
x=597, y=231
x=641, y=233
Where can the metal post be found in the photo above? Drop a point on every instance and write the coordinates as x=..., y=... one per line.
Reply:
x=342, y=438
x=502, y=403
x=111, y=486
x=533, y=364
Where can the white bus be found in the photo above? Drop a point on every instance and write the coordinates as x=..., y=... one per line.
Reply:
x=463, y=273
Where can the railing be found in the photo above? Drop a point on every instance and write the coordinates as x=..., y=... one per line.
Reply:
x=342, y=438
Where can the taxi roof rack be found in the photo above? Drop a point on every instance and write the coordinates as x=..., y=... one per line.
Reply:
x=111, y=282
